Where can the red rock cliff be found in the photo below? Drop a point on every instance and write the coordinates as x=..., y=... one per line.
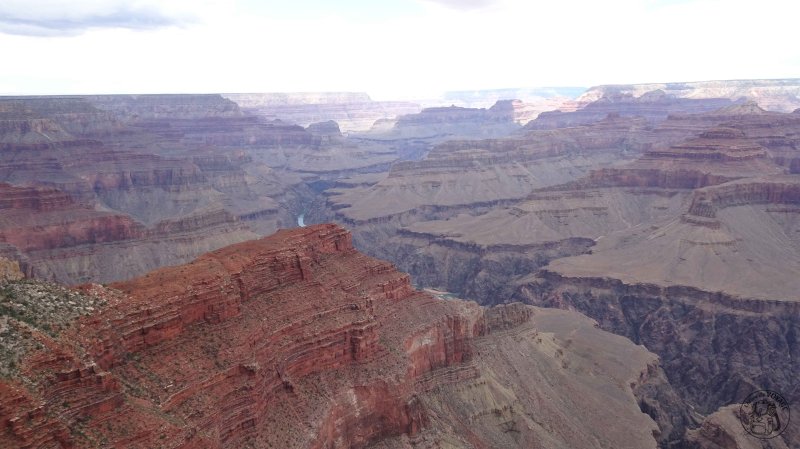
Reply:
x=294, y=340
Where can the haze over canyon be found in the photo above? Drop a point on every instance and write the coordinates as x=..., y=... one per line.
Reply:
x=611, y=267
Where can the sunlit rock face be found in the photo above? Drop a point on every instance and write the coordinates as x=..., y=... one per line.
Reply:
x=298, y=340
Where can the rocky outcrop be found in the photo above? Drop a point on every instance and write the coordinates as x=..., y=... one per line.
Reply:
x=9, y=270
x=456, y=121
x=483, y=273
x=328, y=128
x=297, y=340
x=785, y=190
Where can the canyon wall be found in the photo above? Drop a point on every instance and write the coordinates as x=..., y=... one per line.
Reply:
x=298, y=340
x=102, y=188
x=689, y=246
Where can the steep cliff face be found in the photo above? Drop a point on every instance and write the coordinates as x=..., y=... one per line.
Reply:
x=469, y=217
x=125, y=184
x=715, y=348
x=457, y=121
x=297, y=340
x=39, y=219
x=710, y=287
x=472, y=173
x=484, y=209
x=689, y=249
x=53, y=237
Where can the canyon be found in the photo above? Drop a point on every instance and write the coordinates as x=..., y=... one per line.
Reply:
x=298, y=340
x=112, y=186
x=684, y=239
x=640, y=240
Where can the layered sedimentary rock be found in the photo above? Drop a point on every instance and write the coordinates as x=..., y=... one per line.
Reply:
x=297, y=340
x=780, y=95
x=413, y=216
x=193, y=172
x=53, y=237
x=148, y=107
x=465, y=172
x=351, y=110
x=143, y=181
x=688, y=249
x=454, y=121
x=412, y=136
x=715, y=276
x=460, y=199
x=654, y=106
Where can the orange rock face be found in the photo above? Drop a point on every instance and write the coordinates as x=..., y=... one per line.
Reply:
x=294, y=340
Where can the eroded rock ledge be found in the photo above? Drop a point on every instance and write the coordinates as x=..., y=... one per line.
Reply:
x=298, y=340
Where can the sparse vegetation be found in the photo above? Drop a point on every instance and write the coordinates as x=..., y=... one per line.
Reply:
x=29, y=306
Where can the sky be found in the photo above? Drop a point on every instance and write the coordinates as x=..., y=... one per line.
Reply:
x=391, y=49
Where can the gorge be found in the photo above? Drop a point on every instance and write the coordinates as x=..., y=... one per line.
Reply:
x=328, y=271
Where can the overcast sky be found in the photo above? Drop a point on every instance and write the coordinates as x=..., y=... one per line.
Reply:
x=388, y=48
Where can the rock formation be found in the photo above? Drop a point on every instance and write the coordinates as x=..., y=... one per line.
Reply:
x=670, y=224
x=297, y=340
x=782, y=95
x=453, y=121
x=105, y=187
x=654, y=106
x=689, y=248
x=352, y=111
x=467, y=172
x=9, y=270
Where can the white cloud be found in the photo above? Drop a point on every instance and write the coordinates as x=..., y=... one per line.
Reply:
x=73, y=17
x=465, y=5
x=509, y=44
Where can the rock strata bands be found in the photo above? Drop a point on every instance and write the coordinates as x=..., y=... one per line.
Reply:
x=298, y=340
x=691, y=249
x=102, y=188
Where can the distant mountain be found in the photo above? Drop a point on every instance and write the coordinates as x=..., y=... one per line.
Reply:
x=782, y=95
